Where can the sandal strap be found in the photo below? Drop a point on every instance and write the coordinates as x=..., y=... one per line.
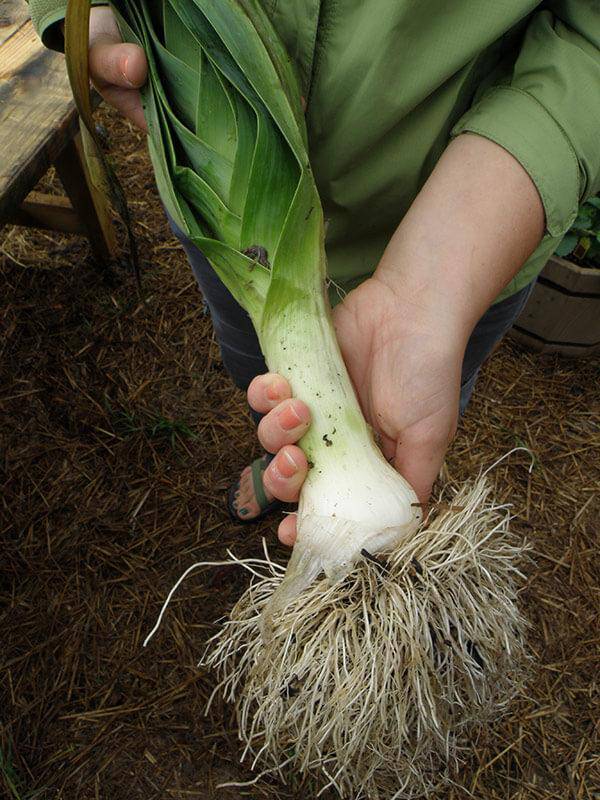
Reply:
x=259, y=465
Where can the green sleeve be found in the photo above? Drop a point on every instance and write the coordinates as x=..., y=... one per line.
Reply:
x=547, y=112
x=47, y=15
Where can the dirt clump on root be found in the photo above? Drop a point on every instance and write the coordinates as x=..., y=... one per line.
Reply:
x=119, y=434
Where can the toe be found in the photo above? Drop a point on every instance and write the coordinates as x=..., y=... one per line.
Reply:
x=245, y=502
x=244, y=493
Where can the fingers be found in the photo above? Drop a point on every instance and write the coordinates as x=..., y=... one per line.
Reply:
x=267, y=391
x=128, y=102
x=284, y=476
x=117, y=69
x=286, y=418
x=287, y=530
x=113, y=64
x=285, y=424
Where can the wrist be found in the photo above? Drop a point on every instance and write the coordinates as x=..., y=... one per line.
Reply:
x=432, y=296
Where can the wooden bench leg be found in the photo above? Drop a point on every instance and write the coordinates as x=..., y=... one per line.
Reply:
x=49, y=211
x=89, y=203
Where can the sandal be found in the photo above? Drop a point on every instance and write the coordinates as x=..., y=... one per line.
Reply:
x=267, y=507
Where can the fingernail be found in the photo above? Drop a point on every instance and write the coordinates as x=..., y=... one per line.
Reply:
x=289, y=418
x=287, y=465
x=273, y=392
x=242, y=511
x=124, y=71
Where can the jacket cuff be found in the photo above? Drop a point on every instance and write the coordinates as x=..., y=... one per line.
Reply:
x=517, y=122
x=47, y=25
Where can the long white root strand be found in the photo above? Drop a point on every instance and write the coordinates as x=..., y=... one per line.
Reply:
x=373, y=684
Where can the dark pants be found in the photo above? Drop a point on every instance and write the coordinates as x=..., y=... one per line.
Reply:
x=241, y=352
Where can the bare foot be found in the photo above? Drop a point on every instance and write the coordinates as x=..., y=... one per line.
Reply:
x=245, y=503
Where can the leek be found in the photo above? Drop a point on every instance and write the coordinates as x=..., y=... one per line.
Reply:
x=228, y=144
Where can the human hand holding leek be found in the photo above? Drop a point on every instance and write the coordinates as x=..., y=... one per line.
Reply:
x=407, y=378
x=117, y=69
x=404, y=331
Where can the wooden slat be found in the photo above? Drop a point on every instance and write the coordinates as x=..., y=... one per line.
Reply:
x=23, y=46
x=52, y=212
x=90, y=203
x=37, y=114
x=573, y=278
x=562, y=314
x=556, y=317
x=13, y=14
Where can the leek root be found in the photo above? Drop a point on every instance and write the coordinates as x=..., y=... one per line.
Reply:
x=376, y=684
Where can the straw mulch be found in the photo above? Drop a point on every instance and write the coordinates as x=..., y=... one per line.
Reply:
x=119, y=435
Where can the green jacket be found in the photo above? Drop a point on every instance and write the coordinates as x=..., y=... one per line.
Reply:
x=389, y=82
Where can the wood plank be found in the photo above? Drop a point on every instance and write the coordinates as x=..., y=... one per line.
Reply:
x=563, y=312
x=48, y=211
x=23, y=46
x=571, y=277
x=90, y=203
x=37, y=114
x=13, y=14
x=556, y=317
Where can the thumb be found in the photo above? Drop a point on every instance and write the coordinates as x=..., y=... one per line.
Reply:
x=111, y=61
x=113, y=64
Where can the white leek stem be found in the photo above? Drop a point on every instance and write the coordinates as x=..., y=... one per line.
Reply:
x=352, y=498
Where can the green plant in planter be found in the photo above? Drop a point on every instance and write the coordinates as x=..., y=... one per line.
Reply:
x=582, y=241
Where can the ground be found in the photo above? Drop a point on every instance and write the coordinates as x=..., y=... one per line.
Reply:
x=119, y=434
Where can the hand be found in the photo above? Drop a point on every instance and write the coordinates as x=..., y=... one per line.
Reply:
x=117, y=69
x=405, y=366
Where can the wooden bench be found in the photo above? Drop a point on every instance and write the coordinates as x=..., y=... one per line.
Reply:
x=39, y=127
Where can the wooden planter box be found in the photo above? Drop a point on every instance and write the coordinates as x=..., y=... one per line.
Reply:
x=562, y=314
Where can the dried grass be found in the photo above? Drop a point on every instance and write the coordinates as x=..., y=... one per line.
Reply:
x=102, y=508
